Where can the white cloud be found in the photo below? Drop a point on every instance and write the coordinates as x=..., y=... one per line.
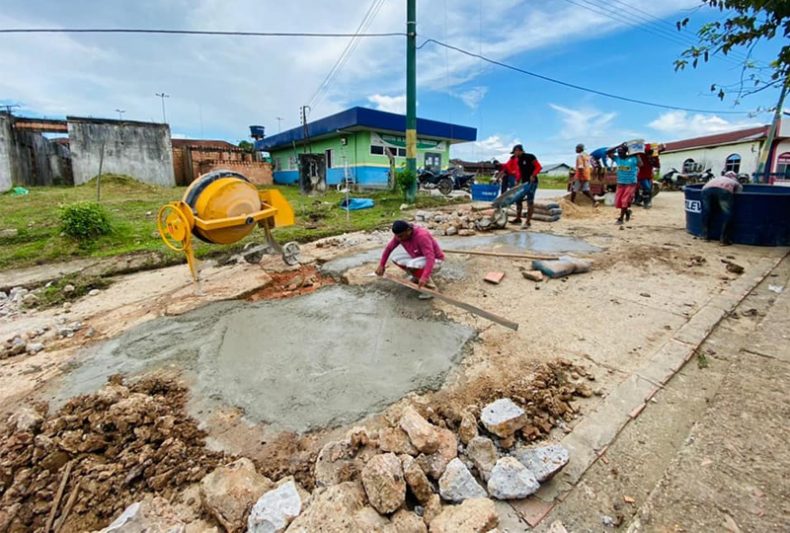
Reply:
x=494, y=147
x=393, y=104
x=473, y=96
x=580, y=124
x=681, y=124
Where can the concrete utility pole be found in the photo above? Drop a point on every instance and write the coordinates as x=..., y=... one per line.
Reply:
x=120, y=113
x=162, y=95
x=411, y=94
x=279, y=124
x=764, y=166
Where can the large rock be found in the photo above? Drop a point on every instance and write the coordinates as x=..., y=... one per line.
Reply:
x=433, y=508
x=503, y=417
x=229, y=491
x=331, y=510
x=435, y=463
x=476, y=515
x=368, y=519
x=407, y=522
x=423, y=434
x=543, y=461
x=511, y=480
x=275, y=509
x=396, y=440
x=457, y=483
x=336, y=463
x=468, y=428
x=483, y=454
x=384, y=484
x=151, y=515
x=26, y=419
x=418, y=482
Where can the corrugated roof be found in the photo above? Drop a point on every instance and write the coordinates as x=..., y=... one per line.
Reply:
x=730, y=137
x=362, y=118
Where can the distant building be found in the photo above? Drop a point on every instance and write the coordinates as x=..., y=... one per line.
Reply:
x=355, y=143
x=558, y=169
x=738, y=151
x=195, y=157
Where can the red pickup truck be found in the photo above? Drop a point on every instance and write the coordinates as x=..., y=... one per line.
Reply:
x=598, y=186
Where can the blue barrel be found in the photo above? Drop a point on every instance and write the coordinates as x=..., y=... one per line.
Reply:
x=484, y=192
x=761, y=216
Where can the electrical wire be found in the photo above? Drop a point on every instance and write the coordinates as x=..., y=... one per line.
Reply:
x=577, y=87
x=197, y=32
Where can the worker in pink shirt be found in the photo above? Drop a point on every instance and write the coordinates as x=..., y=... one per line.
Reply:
x=718, y=194
x=424, y=257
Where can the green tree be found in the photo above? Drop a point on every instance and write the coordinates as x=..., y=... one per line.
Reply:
x=747, y=23
x=247, y=146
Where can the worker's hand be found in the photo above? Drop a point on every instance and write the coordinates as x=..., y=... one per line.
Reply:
x=421, y=283
x=380, y=270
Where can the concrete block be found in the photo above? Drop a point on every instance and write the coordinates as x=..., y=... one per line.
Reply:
x=700, y=325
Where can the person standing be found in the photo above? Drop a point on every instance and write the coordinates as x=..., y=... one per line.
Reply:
x=599, y=160
x=719, y=194
x=423, y=255
x=649, y=164
x=529, y=167
x=508, y=174
x=627, y=166
x=581, y=177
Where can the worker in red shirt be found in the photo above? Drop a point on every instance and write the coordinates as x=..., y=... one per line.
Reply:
x=650, y=163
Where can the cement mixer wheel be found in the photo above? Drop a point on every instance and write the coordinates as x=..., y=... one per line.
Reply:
x=291, y=253
x=174, y=227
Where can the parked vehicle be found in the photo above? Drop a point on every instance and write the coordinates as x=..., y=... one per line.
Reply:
x=447, y=180
x=675, y=180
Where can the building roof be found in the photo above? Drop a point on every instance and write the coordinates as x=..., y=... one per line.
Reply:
x=203, y=143
x=556, y=166
x=361, y=119
x=730, y=137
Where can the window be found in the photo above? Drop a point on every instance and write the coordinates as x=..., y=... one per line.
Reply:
x=783, y=165
x=401, y=152
x=689, y=166
x=733, y=163
x=376, y=150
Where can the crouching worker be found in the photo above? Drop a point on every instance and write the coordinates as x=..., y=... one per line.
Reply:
x=423, y=256
x=718, y=194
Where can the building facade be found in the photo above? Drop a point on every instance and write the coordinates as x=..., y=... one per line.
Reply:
x=357, y=145
x=738, y=151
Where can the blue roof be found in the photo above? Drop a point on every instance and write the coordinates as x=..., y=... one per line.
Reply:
x=362, y=118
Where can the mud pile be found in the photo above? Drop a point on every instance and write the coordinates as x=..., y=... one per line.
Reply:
x=119, y=443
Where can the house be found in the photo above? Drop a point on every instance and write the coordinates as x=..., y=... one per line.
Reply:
x=355, y=144
x=194, y=157
x=559, y=170
x=738, y=151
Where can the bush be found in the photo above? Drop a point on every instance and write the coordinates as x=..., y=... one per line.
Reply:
x=405, y=179
x=85, y=221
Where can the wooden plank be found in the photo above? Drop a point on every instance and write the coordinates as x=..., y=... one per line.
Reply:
x=58, y=496
x=463, y=305
x=502, y=254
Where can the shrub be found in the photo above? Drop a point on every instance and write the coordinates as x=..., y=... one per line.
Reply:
x=85, y=221
x=405, y=179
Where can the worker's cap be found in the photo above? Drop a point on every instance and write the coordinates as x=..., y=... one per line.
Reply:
x=517, y=147
x=399, y=226
x=579, y=147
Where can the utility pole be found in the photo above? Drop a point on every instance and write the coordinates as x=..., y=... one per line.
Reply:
x=9, y=107
x=163, y=95
x=305, y=129
x=764, y=166
x=279, y=124
x=411, y=95
x=120, y=113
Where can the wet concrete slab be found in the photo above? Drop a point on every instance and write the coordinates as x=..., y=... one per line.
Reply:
x=328, y=358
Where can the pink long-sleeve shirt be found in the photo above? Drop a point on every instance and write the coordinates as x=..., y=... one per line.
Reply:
x=420, y=244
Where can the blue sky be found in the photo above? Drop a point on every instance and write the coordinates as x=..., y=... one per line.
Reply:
x=220, y=85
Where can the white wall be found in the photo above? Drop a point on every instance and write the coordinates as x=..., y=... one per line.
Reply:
x=714, y=158
x=6, y=180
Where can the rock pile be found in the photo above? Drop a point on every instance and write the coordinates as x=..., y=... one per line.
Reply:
x=34, y=341
x=464, y=222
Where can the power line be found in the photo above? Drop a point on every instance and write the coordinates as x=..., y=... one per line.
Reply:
x=347, y=51
x=198, y=32
x=577, y=87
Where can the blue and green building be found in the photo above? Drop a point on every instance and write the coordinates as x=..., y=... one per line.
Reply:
x=355, y=142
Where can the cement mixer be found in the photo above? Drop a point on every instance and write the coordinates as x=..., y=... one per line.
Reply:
x=223, y=207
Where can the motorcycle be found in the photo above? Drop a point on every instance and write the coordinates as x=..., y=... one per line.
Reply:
x=675, y=181
x=446, y=181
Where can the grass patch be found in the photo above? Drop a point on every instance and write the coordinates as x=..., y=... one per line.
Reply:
x=54, y=294
x=553, y=182
x=702, y=360
x=132, y=206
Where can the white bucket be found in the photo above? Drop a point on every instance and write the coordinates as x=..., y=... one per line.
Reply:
x=608, y=198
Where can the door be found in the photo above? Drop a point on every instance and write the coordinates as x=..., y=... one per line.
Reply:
x=433, y=161
x=328, y=158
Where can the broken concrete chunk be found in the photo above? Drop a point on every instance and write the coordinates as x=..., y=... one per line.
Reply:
x=275, y=509
x=423, y=434
x=151, y=515
x=435, y=463
x=503, y=417
x=336, y=464
x=477, y=515
x=396, y=440
x=25, y=419
x=384, y=484
x=483, y=453
x=229, y=491
x=532, y=275
x=543, y=461
x=407, y=522
x=331, y=509
x=457, y=483
x=418, y=482
x=511, y=480
x=468, y=428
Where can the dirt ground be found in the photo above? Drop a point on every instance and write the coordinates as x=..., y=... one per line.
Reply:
x=649, y=279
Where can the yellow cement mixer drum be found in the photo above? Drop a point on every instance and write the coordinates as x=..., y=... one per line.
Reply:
x=223, y=207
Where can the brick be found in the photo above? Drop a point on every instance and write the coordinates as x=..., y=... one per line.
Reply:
x=494, y=277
